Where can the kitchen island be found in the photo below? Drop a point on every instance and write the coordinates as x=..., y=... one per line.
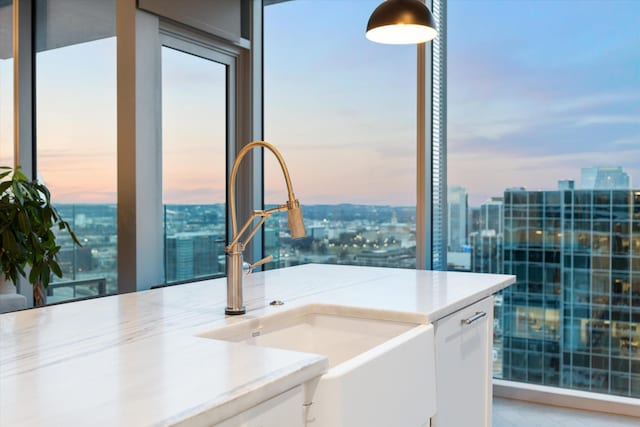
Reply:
x=137, y=360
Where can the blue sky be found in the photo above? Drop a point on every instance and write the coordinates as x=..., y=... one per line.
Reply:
x=537, y=89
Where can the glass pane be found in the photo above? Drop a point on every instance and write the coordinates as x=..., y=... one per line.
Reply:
x=6, y=84
x=193, y=153
x=545, y=133
x=76, y=137
x=342, y=111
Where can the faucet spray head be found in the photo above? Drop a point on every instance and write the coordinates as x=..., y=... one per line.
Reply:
x=294, y=219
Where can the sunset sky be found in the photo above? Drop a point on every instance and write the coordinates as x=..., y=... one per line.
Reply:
x=340, y=108
x=6, y=112
x=76, y=121
x=537, y=89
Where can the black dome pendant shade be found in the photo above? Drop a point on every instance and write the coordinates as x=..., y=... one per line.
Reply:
x=401, y=22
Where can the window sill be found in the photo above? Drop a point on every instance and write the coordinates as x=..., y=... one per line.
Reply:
x=577, y=399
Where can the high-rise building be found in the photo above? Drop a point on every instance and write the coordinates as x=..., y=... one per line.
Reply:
x=486, y=252
x=457, y=218
x=573, y=317
x=473, y=221
x=491, y=215
x=605, y=177
x=486, y=242
x=566, y=184
x=192, y=254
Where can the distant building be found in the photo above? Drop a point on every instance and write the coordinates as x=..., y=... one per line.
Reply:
x=566, y=184
x=485, y=243
x=192, y=254
x=601, y=178
x=271, y=238
x=486, y=252
x=73, y=260
x=392, y=257
x=318, y=231
x=473, y=220
x=491, y=215
x=459, y=261
x=457, y=218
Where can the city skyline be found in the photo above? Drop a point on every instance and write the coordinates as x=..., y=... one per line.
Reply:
x=558, y=181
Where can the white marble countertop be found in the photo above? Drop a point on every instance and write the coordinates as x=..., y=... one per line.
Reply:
x=134, y=359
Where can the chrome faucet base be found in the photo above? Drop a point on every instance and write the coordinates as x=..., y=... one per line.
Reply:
x=231, y=312
x=234, y=281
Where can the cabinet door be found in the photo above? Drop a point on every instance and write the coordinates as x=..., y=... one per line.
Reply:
x=464, y=344
x=284, y=410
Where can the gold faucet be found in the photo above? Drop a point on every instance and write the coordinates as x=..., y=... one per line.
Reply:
x=235, y=248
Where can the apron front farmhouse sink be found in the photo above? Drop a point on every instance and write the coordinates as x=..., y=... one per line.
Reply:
x=381, y=364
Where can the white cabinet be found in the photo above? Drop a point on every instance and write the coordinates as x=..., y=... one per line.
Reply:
x=284, y=410
x=464, y=344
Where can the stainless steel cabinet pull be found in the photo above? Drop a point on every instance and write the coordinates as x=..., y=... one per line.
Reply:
x=479, y=315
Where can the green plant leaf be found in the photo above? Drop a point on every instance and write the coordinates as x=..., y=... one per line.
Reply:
x=34, y=274
x=4, y=185
x=27, y=219
x=46, y=276
x=23, y=222
x=55, y=267
x=18, y=175
x=9, y=241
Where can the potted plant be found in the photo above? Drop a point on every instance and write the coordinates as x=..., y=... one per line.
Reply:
x=27, y=220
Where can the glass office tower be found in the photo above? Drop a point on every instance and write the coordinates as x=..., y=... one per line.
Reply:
x=457, y=201
x=573, y=317
x=486, y=251
x=605, y=177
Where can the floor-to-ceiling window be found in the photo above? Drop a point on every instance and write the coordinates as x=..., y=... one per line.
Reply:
x=75, y=110
x=80, y=144
x=6, y=83
x=543, y=164
x=350, y=145
x=342, y=110
x=194, y=142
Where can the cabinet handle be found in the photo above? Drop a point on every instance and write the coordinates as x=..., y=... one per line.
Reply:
x=479, y=315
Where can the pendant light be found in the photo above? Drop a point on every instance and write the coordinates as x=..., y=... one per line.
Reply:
x=401, y=22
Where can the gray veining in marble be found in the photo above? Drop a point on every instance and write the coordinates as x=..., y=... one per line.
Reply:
x=137, y=360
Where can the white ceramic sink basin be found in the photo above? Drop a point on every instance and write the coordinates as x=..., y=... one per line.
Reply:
x=381, y=365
